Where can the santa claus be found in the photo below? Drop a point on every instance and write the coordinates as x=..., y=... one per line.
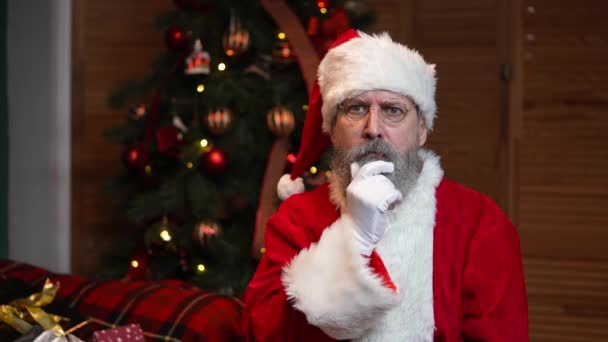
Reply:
x=389, y=250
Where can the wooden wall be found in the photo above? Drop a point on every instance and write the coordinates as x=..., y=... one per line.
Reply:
x=562, y=168
x=112, y=41
x=530, y=135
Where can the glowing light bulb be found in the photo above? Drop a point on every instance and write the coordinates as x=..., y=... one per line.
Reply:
x=200, y=88
x=263, y=250
x=281, y=35
x=313, y=169
x=323, y=10
x=221, y=67
x=189, y=165
x=204, y=143
x=200, y=268
x=148, y=169
x=165, y=235
x=134, y=264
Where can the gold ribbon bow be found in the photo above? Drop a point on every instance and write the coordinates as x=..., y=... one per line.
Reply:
x=20, y=313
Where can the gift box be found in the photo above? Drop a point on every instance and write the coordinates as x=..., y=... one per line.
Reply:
x=127, y=333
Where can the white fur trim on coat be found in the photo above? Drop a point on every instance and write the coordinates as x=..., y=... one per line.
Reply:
x=407, y=253
x=334, y=287
x=375, y=62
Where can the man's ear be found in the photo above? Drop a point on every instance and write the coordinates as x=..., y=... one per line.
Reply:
x=423, y=132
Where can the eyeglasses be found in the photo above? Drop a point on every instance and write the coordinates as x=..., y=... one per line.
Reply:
x=391, y=112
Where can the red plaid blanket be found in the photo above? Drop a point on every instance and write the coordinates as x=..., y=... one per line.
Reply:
x=168, y=310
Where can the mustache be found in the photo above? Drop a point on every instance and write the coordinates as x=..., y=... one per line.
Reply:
x=370, y=151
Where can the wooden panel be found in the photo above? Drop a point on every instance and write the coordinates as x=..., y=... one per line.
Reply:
x=394, y=17
x=112, y=41
x=562, y=183
x=563, y=167
x=568, y=299
x=467, y=42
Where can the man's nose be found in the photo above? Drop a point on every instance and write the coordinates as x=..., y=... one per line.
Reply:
x=373, y=124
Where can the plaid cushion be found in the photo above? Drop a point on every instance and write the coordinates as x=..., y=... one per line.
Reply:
x=168, y=310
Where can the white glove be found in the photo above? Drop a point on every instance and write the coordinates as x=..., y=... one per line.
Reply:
x=369, y=197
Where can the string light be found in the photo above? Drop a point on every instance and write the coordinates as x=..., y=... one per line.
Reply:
x=165, y=235
x=189, y=165
x=281, y=35
x=200, y=88
x=263, y=250
x=305, y=107
x=134, y=264
x=200, y=268
x=204, y=143
x=313, y=170
x=323, y=10
x=148, y=169
x=221, y=67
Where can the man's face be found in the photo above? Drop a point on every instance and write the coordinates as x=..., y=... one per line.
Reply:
x=390, y=131
x=404, y=136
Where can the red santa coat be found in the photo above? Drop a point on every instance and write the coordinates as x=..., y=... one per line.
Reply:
x=448, y=269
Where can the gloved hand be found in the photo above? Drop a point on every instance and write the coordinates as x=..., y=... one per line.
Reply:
x=369, y=197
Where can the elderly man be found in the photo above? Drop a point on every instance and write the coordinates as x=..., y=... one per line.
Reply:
x=389, y=250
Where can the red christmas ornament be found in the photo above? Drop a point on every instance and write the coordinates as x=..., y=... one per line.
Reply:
x=176, y=37
x=136, y=157
x=280, y=121
x=214, y=161
x=168, y=138
x=219, y=120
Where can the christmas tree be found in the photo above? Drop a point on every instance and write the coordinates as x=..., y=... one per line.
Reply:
x=200, y=131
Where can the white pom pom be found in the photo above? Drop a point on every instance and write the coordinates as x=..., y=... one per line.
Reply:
x=287, y=187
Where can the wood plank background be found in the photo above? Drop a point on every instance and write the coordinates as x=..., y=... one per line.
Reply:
x=562, y=168
x=536, y=143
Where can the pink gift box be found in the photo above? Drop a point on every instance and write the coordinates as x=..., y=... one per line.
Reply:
x=127, y=333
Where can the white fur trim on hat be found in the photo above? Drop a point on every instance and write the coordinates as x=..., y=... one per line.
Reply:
x=375, y=62
x=287, y=187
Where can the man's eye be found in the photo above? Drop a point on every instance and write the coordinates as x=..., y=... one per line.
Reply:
x=358, y=109
x=392, y=112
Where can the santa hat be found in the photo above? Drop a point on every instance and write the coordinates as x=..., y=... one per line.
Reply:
x=356, y=63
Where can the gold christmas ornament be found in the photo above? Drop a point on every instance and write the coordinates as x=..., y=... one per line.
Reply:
x=280, y=121
x=236, y=39
x=206, y=232
x=219, y=120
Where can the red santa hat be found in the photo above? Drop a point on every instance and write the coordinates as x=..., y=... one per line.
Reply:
x=356, y=63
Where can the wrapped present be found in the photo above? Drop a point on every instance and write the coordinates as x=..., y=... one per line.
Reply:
x=127, y=333
x=24, y=313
